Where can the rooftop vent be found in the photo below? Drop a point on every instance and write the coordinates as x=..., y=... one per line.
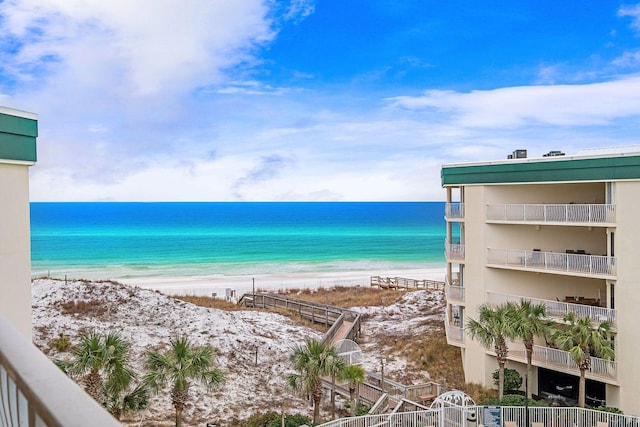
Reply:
x=553, y=154
x=518, y=154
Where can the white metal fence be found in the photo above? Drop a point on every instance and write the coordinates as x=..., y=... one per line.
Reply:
x=472, y=416
x=572, y=213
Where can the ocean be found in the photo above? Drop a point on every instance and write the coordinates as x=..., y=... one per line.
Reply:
x=146, y=240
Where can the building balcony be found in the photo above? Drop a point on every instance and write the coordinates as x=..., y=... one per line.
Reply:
x=453, y=329
x=35, y=392
x=558, y=360
x=571, y=264
x=454, y=294
x=454, y=211
x=558, y=309
x=453, y=251
x=570, y=214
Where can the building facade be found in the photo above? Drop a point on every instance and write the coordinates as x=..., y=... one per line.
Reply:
x=560, y=231
x=18, y=132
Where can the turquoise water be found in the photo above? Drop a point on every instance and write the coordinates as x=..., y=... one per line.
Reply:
x=129, y=240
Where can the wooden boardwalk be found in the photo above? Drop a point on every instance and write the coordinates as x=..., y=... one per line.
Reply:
x=404, y=283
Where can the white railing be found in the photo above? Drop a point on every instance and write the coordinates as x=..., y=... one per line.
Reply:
x=34, y=392
x=454, y=293
x=471, y=416
x=605, y=370
x=454, y=210
x=559, y=309
x=455, y=333
x=454, y=251
x=569, y=213
x=592, y=265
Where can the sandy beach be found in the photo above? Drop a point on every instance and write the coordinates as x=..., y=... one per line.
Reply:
x=219, y=284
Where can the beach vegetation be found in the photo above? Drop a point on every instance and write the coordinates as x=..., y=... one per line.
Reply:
x=102, y=364
x=492, y=329
x=354, y=375
x=582, y=339
x=512, y=379
x=312, y=361
x=180, y=366
x=62, y=342
x=273, y=419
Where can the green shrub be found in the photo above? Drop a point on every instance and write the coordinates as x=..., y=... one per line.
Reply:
x=512, y=379
x=273, y=419
x=610, y=409
x=513, y=400
x=62, y=342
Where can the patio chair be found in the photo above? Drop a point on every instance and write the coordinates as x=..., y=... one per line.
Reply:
x=510, y=424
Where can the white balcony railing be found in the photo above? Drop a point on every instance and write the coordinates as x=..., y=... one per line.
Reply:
x=454, y=251
x=34, y=392
x=561, y=360
x=454, y=210
x=575, y=264
x=454, y=332
x=559, y=309
x=570, y=213
x=454, y=293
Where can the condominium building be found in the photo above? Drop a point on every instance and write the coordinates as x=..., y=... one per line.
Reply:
x=558, y=230
x=18, y=132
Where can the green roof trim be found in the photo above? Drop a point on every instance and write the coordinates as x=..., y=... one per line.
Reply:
x=583, y=169
x=18, y=138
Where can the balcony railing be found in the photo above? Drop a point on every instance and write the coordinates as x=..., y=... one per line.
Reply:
x=571, y=213
x=34, y=392
x=559, y=309
x=455, y=333
x=574, y=264
x=454, y=251
x=548, y=357
x=454, y=210
x=454, y=293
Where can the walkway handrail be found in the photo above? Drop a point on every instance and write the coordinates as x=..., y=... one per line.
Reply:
x=404, y=283
x=35, y=392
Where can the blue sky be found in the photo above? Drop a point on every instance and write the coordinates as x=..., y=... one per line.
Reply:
x=309, y=100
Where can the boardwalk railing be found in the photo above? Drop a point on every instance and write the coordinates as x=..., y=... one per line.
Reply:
x=34, y=392
x=404, y=283
x=373, y=388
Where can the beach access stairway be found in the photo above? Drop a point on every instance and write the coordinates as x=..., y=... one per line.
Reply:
x=404, y=283
x=382, y=394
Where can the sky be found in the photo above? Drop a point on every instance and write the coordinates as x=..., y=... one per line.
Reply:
x=302, y=100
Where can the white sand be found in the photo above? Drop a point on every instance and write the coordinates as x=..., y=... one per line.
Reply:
x=208, y=285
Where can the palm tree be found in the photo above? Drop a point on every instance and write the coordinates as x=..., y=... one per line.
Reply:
x=493, y=327
x=337, y=366
x=178, y=367
x=530, y=322
x=355, y=375
x=102, y=362
x=313, y=360
x=582, y=340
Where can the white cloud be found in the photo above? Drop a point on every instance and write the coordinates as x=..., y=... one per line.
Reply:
x=632, y=11
x=559, y=105
x=135, y=47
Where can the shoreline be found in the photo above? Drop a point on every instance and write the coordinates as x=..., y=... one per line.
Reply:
x=240, y=284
